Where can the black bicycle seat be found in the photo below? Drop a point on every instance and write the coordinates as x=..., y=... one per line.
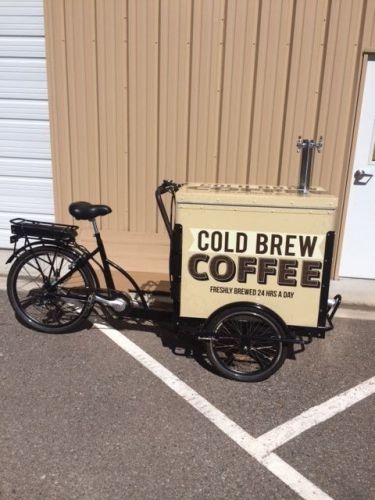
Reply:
x=82, y=210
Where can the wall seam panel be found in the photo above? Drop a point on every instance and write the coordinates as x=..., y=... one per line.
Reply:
x=68, y=98
x=100, y=194
x=326, y=33
x=188, y=117
x=286, y=96
x=158, y=113
x=255, y=78
x=221, y=80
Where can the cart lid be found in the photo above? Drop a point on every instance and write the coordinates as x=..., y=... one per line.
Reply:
x=255, y=195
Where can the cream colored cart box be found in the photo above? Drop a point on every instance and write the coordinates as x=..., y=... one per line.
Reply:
x=266, y=245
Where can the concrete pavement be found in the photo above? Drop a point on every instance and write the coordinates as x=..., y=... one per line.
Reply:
x=81, y=419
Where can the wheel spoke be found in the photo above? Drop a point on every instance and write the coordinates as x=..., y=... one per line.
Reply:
x=256, y=326
x=226, y=347
x=260, y=358
x=262, y=329
x=230, y=360
x=232, y=327
x=45, y=306
x=32, y=279
x=247, y=344
x=52, y=269
x=28, y=301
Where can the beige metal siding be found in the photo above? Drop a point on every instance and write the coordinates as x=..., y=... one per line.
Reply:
x=238, y=92
x=198, y=90
x=58, y=106
x=306, y=70
x=368, y=42
x=112, y=63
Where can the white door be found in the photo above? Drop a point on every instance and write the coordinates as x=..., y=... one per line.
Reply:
x=25, y=151
x=357, y=260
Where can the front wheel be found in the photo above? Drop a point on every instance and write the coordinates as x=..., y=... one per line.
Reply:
x=41, y=305
x=246, y=343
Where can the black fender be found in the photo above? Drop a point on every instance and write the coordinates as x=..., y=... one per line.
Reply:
x=23, y=249
x=76, y=250
x=260, y=307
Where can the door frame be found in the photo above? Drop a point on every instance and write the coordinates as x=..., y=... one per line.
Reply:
x=366, y=56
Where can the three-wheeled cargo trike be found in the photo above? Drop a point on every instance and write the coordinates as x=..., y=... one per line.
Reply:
x=249, y=270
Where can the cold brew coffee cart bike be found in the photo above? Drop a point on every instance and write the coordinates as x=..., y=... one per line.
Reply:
x=249, y=271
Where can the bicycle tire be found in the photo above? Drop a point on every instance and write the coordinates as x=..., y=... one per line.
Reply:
x=32, y=269
x=247, y=343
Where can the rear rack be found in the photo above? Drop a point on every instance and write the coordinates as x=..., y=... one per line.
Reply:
x=24, y=228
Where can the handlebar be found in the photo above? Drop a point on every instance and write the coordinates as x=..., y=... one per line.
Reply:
x=166, y=187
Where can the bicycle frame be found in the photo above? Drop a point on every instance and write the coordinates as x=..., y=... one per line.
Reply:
x=61, y=256
x=106, y=265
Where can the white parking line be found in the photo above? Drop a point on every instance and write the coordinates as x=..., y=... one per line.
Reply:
x=286, y=473
x=315, y=415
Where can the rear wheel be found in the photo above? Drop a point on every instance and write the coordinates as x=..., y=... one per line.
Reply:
x=246, y=343
x=40, y=305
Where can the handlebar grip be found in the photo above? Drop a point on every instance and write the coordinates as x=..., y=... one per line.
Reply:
x=165, y=187
x=168, y=187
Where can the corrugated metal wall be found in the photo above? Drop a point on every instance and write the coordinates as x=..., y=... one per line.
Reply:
x=25, y=151
x=208, y=90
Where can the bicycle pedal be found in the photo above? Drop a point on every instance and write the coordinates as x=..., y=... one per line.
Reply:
x=91, y=299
